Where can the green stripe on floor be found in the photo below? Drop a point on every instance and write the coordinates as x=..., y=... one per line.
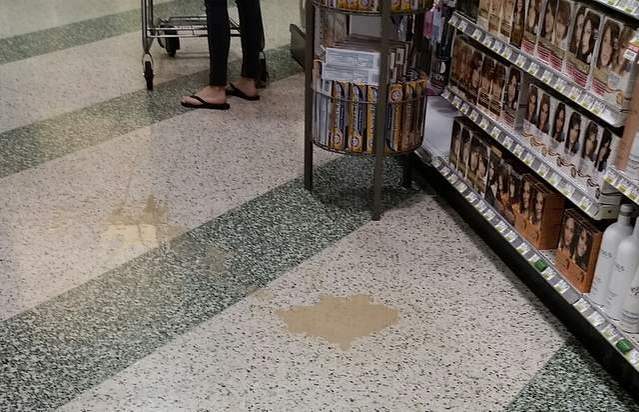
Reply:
x=59, y=349
x=87, y=31
x=32, y=145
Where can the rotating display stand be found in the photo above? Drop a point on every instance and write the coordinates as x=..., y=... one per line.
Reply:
x=378, y=149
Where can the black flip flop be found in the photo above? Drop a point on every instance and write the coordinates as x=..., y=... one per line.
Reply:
x=205, y=104
x=234, y=91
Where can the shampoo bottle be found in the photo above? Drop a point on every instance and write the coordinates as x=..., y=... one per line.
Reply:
x=630, y=314
x=626, y=262
x=612, y=237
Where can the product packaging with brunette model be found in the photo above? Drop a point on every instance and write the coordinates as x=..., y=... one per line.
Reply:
x=581, y=54
x=497, y=85
x=561, y=37
x=547, y=207
x=515, y=98
x=546, y=30
x=578, y=249
x=494, y=19
x=531, y=28
x=531, y=114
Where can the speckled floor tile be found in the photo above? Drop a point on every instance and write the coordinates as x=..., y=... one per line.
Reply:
x=107, y=69
x=62, y=222
x=469, y=334
x=573, y=381
x=77, y=340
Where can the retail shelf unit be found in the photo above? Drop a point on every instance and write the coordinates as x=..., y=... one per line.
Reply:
x=379, y=148
x=542, y=72
x=513, y=141
x=626, y=185
x=542, y=262
x=628, y=7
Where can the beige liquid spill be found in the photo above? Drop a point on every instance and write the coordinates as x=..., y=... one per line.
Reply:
x=340, y=320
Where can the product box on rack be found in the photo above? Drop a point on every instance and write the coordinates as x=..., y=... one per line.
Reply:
x=494, y=19
x=523, y=213
x=469, y=8
x=491, y=193
x=560, y=39
x=487, y=69
x=340, y=126
x=497, y=83
x=501, y=188
x=515, y=185
x=371, y=96
x=588, y=153
x=410, y=108
x=615, y=69
x=478, y=162
x=544, y=225
x=578, y=249
x=466, y=142
x=558, y=127
x=571, y=148
x=506, y=26
x=532, y=111
x=515, y=98
x=546, y=31
x=484, y=14
x=541, y=140
x=518, y=23
x=357, y=120
x=394, y=124
x=580, y=60
x=352, y=57
x=531, y=29
x=475, y=76
x=456, y=143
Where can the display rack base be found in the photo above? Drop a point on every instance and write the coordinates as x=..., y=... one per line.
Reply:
x=600, y=348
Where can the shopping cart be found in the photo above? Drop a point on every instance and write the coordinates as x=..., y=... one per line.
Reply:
x=169, y=31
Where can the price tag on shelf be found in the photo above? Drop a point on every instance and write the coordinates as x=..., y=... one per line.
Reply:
x=454, y=20
x=489, y=215
x=461, y=186
x=622, y=186
x=484, y=123
x=533, y=69
x=496, y=133
x=610, y=333
x=586, y=100
x=610, y=177
x=445, y=171
x=507, y=52
x=508, y=142
x=474, y=116
x=477, y=34
x=568, y=190
x=511, y=236
x=612, y=2
x=561, y=286
x=523, y=248
x=529, y=159
x=633, y=358
x=546, y=77
x=548, y=273
x=585, y=204
x=518, y=151
x=501, y=226
x=488, y=42
x=481, y=206
x=521, y=60
x=560, y=85
x=453, y=178
x=554, y=179
x=446, y=94
x=497, y=46
x=574, y=93
x=457, y=102
x=543, y=170
x=582, y=305
x=634, y=195
x=465, y=108
x=437, y=164
x=596, y=319
x=598, y=108
x=462, y=25
x=471, y=197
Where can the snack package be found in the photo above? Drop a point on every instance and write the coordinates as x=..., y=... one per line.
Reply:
x=544, y=225
x=497, y=84
x=531, y=115
x=487, y=69
x=560, y=39
x=581, y=58
x=518, y=23
x=515, y=98
x=531, y=28
x=578, y=249
x=615, y=68
x=547, y=31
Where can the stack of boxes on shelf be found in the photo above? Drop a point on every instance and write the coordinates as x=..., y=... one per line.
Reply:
x=581, y=146
x=373, y=5
x=346, y=87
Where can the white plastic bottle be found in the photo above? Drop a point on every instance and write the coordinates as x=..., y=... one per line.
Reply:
x=626, y=262
x=612, y=237
x=632, y=167
x=630, y=314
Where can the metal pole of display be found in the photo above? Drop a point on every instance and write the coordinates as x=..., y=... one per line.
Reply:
x=308, y=95
x=380, y=111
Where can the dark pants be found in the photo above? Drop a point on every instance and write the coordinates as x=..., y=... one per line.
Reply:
x=217, y=17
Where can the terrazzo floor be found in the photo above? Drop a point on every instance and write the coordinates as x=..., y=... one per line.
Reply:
x=158, y=259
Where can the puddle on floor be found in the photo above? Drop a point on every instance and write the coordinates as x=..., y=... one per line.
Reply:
x=340, y=320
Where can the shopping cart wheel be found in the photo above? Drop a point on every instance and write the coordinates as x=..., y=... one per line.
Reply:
x=148, y=75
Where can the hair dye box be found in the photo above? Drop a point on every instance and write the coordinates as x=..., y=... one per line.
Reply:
x=531, y=28
x=615, y=69
x=523, y=212
x=529, y=131
x=518, y=23
x=515, y=98
x=506, y=26
x=456, y=143
x=494, y=19
x=578, y=250
x=487, y=69
x=501, y=190
x=495, y=154
x=580, y=60
x=544, y=225
x=477, y=162
x=475, y=76
x=546, y=30
x=484, y=14
x=497, y=84
x=558, y=127
x=599, y=146
x=466, y=144
x=515, y=183
x=588, y=153
x=570, y=150
x=547, y=105
x=561, y=34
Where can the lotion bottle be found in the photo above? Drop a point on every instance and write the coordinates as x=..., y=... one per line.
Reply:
x=612, y=237
x=630, y=314
x=626, y=262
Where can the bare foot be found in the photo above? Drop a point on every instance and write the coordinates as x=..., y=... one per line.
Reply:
x=210, y=94
x=246, y=86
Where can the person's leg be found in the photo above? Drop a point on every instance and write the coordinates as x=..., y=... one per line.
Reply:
x=250, y=25
x=219, y=39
